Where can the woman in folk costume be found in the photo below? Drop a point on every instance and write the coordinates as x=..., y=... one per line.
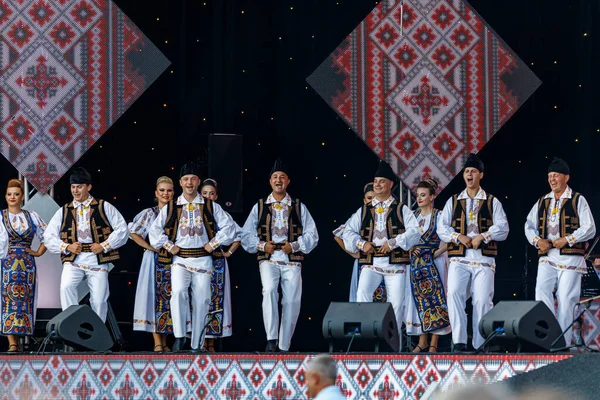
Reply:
x=220, y=299
x=426, y=307
x=19, y=278
x=151, y=311
x=379, y=296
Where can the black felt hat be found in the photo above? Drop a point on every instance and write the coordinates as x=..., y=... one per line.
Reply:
x=80, y=176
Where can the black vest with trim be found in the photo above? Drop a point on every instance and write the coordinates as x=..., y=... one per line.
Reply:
x=485, y=219
x=99, y=226
x=394, y=227
x=172, y=225
x=295, y=229
x=568, y=223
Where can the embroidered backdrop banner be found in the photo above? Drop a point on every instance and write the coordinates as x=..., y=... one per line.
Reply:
x=424, y=83
x=68, y=70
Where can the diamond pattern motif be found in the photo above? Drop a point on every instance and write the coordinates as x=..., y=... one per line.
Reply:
x=432, y=66
x=61, y=88
x=177, y=377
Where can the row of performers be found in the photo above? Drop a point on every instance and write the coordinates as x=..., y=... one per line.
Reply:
x=425, y=263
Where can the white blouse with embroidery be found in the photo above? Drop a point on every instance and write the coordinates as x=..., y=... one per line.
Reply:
x=20, y=224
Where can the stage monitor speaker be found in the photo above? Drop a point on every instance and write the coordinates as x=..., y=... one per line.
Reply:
x=225, y=165
x=80, y=327
x=527, y=326
x=367, y=323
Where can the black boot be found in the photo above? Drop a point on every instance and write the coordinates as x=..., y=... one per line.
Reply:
x=271, y=346
x=178, y=345
x=459, y=348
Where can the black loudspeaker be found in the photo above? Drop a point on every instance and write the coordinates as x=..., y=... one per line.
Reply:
x=528, y=325
x=374, y=323
x=225, y=165
x=81, y=328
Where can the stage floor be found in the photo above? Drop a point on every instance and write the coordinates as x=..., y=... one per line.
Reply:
x=246, y=376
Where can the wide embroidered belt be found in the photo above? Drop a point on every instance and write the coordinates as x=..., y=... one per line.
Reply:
x=378, y=253
x=86, y=247
x=193, y=253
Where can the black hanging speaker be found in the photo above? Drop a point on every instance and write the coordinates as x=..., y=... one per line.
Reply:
x=80, y=327
x=373, y=324
x=527, y=326
x=225, y=165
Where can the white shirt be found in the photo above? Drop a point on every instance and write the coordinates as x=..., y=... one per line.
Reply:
x=191, y=233
x=116, y=239
x=497, y=232
x=330, y=393
x=305, y=243
x=353, y=242
x=20, y=224
x=586, y=231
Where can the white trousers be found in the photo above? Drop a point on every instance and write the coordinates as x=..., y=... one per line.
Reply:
x=290, y=277
x=567, y=294
x=481, y=281
x=97, y=282
x=395, y=285
x=181, y=281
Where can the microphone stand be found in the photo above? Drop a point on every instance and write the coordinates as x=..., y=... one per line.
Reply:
x=580, y=320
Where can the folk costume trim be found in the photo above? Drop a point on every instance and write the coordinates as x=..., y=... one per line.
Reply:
x=100, y=229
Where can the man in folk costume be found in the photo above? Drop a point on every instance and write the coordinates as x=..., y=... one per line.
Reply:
x=558, y=225
x=281, y=231
x=86, y=233
x=472, y=223
x=383, y=231
x=185, y=232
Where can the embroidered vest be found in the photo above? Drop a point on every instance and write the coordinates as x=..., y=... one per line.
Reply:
x=295, y=229
x=430, y=238
x=19, y=240
x=99, y=226
x=394, y=227
x=568, y=223
x=172, y=225
x=485, y=219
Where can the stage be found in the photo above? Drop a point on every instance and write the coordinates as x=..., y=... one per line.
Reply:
x=246, y=376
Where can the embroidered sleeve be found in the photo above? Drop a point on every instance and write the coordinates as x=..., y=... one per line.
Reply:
x=486, y=237
x=141, y=223
x=106, y=246
x=169, y=245
x=339, y=230
x=531, y=230
x=52, y=238
x=587, y=226
x=361, y=244
x=392, y=243
x=214, y=243
x=261, y=246
x=310, y=237
x=571, y=240
x=120, y=233
x=454, y=237
x=40, y=226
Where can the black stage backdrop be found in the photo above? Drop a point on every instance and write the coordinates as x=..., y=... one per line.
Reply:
x=240, y=66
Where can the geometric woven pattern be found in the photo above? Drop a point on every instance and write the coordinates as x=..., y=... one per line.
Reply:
x=68, y=70
x=236, y=376
x=424, y=83
x=591, y=326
